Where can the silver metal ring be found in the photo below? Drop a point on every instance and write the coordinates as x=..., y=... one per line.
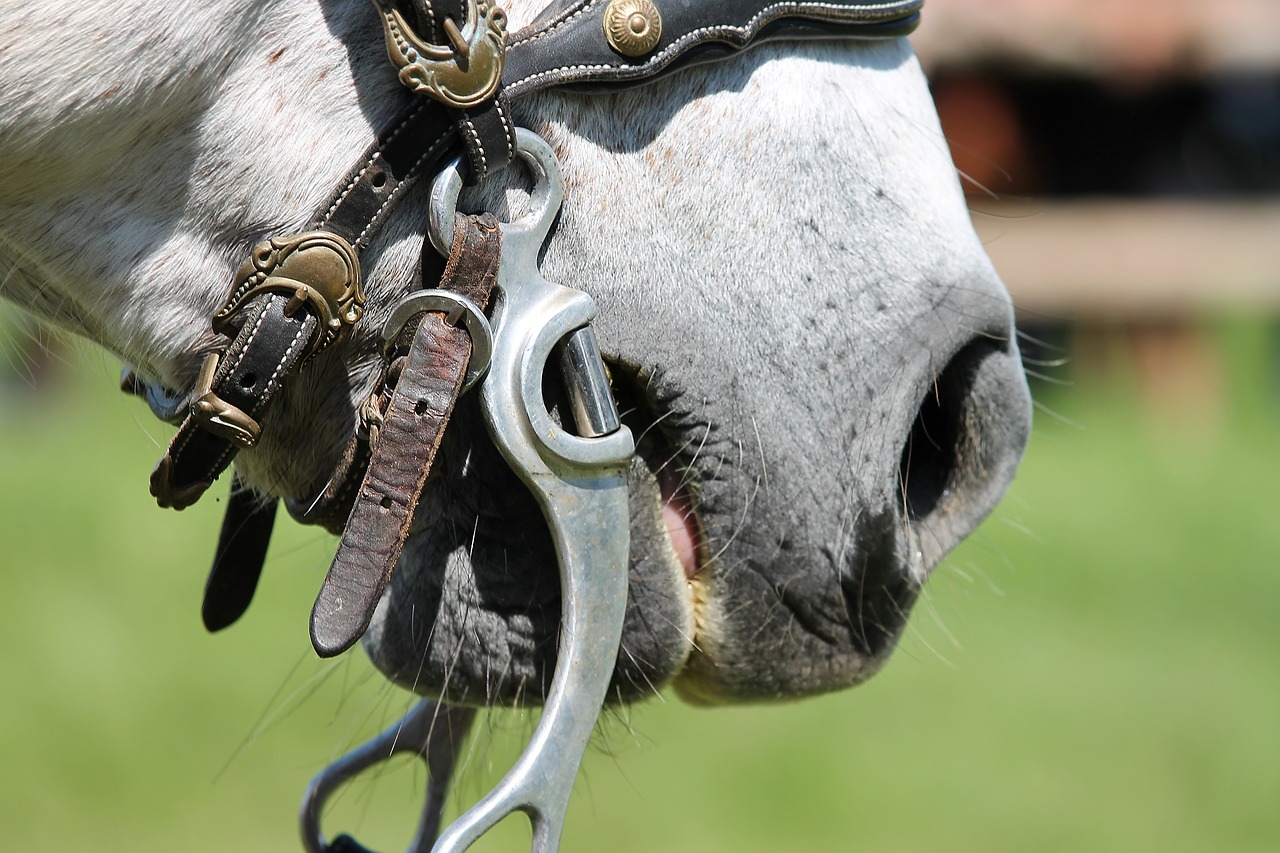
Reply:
x=455, y=307
x=548, y=188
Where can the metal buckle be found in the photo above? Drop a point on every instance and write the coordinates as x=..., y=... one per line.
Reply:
x=466, y=72
x=455, y=307
x=217, y=415
x=316, y=268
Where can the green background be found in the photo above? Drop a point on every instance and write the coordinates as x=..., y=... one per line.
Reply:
x=1098, y=668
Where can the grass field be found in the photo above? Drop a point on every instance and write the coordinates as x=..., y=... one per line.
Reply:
x=1098, y=669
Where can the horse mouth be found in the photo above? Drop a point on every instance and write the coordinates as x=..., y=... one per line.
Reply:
x=747, y=580
x=681, y=521
x=667, y=441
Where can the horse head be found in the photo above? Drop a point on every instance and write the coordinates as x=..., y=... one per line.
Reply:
x=804, y=334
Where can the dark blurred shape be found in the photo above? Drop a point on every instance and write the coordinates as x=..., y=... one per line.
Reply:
x=1069, y=136
x=1122, y=158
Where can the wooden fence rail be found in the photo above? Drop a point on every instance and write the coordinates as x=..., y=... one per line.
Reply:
x=1127, y=259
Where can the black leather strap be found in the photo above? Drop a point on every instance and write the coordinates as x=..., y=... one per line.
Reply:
x=237, y=564
x=266, y=350
x=418, y=138
x=566, y=45
x=488, y=136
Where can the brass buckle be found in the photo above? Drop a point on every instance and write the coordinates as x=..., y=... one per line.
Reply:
x=466, y=72
x=217, y=415
x=316, y=268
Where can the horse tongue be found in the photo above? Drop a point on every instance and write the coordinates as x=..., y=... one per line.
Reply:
x=680, y=519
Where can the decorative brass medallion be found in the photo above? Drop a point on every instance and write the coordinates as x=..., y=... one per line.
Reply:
x=462, y=74
x=632, y=27
x=316, y=268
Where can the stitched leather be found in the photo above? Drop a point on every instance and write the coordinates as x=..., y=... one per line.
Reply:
x=420, y=136
x=264, y=352
x=488, y=137
x=566, y=44
x=427, y=382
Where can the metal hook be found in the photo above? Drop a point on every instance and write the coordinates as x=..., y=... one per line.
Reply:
x=431, y=730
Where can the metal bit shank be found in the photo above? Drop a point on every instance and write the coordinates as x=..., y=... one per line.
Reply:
x=430, y=730
x=579, y=482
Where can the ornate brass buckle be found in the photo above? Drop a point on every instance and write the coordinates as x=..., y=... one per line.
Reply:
x=466, y=72
x=316, y=268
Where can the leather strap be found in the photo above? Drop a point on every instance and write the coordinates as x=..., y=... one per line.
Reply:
x=267, y=348
x=488, y=137
x=424, y=384
x=566, y=44
x=419, y=137
x=237, y=563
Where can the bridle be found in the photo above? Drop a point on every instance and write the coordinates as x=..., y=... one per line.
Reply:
x=301, y=294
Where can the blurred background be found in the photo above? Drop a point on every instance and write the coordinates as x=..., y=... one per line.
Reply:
x=1097, y=669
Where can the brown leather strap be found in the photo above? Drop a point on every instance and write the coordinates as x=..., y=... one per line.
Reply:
x=427, y=383
x=330, y=506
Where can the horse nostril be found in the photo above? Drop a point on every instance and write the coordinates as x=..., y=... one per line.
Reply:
x=928, y=460
x=963, y=446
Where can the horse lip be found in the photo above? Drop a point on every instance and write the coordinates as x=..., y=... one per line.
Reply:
x=681, y=520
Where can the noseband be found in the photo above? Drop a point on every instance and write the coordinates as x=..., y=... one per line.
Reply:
x=492, y=322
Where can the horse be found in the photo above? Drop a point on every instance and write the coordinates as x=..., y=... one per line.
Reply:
x=803, y=332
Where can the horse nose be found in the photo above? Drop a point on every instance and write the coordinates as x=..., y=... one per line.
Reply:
x=962, y=448
x=958, y=455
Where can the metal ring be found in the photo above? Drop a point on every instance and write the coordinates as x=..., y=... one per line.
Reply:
x=456, y=307
x=543, y=167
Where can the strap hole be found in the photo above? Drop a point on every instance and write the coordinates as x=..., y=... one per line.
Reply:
x=248, y=380
x=379, y=180
x=386, y=501
x=421, y=407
